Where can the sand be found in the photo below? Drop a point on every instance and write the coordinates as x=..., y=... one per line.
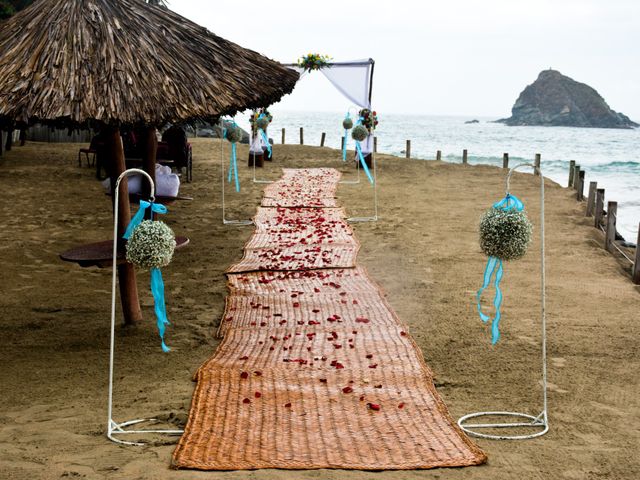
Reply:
x=423, y=252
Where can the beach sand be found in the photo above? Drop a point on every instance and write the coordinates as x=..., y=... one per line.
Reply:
x=54, y=316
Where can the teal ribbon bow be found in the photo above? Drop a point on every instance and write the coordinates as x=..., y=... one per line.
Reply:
x=157, y=284
x=494, y=266
x=233, y=162
x=363, y=162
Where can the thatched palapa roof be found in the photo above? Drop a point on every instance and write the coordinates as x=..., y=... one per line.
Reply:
x=72, y=61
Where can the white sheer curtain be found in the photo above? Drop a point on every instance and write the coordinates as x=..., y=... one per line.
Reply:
x=353, y=80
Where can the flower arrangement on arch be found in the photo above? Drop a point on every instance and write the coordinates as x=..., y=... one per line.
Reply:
x=264, y=121
x=369, y=118
x=313, y=61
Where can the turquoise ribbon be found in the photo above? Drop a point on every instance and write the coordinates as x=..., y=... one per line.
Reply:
x=494, y=265
x=266, y=140
x=362, y=161
x=139, y=216
x=157, y=285
x=157, y=289
x=233, y=162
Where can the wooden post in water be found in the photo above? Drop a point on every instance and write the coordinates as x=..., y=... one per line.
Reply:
x=375, y=144
x=341, y=143
x=301, y=136
x=580, y=186
x=572, y=164
x=126, y=272
x=322, y=137
x=591, y=199
x=408, y=151
x=599, y=207
x=283, y=136
x=536, y=162
x=464, y=156
x=505, y=160
x=612, y=211
x=635, y=273
x=438, y=155
x=576, y=174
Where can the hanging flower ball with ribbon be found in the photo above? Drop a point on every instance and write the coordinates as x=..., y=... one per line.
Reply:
x=359, y=133
x=151, y=245
x=233, y=133
x=505, y=234
x=262, y=122
x=347, y=123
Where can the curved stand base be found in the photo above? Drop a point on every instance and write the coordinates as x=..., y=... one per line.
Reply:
x=237, y=222
x=362, y=219
x=119, y=429
x=539, y=422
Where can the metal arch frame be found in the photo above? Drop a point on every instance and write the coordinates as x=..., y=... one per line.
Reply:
x=226, y=221
x=115, y=428
x=540, y=421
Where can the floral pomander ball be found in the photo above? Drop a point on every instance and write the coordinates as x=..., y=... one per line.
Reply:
x=359, y=133
x=234, y=134
x=347, y=123
x=262, y=122
x=505, y=234
x=151, y=245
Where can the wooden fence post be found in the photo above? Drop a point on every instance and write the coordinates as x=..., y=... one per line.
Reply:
x=438, y=155
x=576, y=175
x=283, y=136
x=536, y=162
x=599, y=207
x=572, y=164
x=341, y=143
x=301, y=136
x=375, y=144
x=324, y=135
x=580, y=186
x=505, y=160
x=591, y=199
x=612, y=211
x=464, y=156
x=635, y=273
x=408, y=151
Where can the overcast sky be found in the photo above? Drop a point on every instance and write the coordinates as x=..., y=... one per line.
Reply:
x=457, y=57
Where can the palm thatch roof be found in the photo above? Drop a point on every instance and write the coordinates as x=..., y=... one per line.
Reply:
x=70, y=62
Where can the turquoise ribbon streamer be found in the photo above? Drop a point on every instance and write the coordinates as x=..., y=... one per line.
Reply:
x=233, y=163
x=494, y=265
x=266, y=140
x=157, y=289
x=362, y=161
x=139, y=216
x=157, y=285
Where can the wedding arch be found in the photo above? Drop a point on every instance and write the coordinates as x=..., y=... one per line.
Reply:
x=354, y=80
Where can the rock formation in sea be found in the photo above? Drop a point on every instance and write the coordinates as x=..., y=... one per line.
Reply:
x=557, y=100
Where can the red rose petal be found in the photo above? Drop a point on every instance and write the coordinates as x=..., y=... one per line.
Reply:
x=401, y=405
x=258, y=394
x=287, y=405
x=369, y=355
x=244, y=358
x=373, y=406
x=244, y=375
x=347, y=390
x=246, y=400
x=323, y=380
x=375, y=365
x=257, y=373
x=404, y=334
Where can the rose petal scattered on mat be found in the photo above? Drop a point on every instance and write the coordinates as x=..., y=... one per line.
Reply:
x=347, y=390
x=287, y=405
x=244, y=358
x=373, y=406
x=257, y=394
x=244, y=375
x=401, y=405
x=246, y=400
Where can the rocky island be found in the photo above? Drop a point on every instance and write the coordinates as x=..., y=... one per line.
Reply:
x=557, y=100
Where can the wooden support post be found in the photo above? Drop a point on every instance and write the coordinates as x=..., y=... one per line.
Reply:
x=576, y=175
x=408, y=150
x=591, y=199
x=635, y=273
x=375, y=144
x=505, y=160
x=149, y=160
x=126, y=272
x=536, y=162
x=438, y=155
x=283, y=136
x=324, y=135
x=572, y=164
x=301, y=136
x=599, y=207
x=9, y=142
x=580, y=186
x=3, y=139
x=612, y=211
x=464, y=156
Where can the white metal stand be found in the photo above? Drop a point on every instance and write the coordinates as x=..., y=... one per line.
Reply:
x=115, y=428
x=373, y=218
x=539, y=422
x=226, y=221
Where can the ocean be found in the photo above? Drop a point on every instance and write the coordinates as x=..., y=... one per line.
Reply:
x=609, y=156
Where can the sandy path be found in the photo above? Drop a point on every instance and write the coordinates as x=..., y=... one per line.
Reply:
x=423, y=252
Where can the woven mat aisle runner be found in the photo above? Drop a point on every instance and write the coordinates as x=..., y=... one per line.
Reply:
x=315, y=370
